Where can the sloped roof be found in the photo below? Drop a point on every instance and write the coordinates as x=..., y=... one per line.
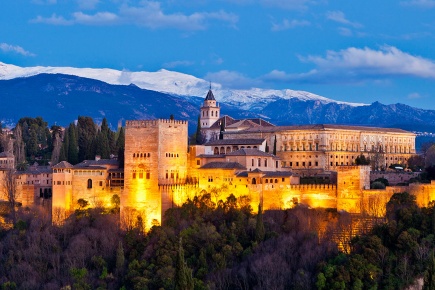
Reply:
x=266, y=174
x=101, y=162
x=319, y=127
x=210, y=96
x=223, y=165
x=63, y=164
x=6, y=154
x=250, y=152
x=235, y=142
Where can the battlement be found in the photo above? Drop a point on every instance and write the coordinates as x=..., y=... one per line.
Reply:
x=332, y=187
x=349, y=167
x=152, y=123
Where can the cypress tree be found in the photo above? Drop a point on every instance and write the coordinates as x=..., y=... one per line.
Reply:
x=73, y=153
x=120, y=144
x=221, y=134
x=183, y=274
x=429, y=275
x=274, y=146
x=198, y=135
x=259, y=228
x=86, y=131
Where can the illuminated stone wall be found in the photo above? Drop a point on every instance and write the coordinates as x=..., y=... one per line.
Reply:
x=329, y=146
x=155, y=155
x=62, y=203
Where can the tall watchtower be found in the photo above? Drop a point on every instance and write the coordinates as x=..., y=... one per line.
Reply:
x=210, y=110
x=155, y=155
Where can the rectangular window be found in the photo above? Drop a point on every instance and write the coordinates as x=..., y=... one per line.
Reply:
x=101, y=183
x=303, y=164
x=309, y=163
x=265, y=162
x=252, y=162
x=276, y=164
x=198, y=162
x=317, y=163
x=291, y=164
x=134, y=175
x=297, y=164
x=259, y=162
x=148, y=175
x=283, y=179
x=140, y=175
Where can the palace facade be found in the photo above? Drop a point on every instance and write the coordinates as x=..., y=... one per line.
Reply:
x=252, y=159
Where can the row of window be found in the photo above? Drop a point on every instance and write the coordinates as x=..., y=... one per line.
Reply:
x=304, y=164
x=172, y=155
x=141, y=155
x=213, y=113
x=140, y=175
x=89, y=183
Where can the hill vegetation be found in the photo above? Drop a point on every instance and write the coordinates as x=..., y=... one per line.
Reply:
x=203, y=245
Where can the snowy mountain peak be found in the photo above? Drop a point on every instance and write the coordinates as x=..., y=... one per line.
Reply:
x=170, y=82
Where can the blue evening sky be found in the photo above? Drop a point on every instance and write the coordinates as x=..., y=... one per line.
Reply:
x=356, y=51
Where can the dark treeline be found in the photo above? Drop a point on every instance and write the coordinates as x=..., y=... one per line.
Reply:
x=34, y=141
x=203, y=245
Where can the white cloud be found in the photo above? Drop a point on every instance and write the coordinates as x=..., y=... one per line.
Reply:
x=53, y=20
x=149, y=14
x=44, y=2
x=178, y=63
x=419, y=3
x=286, y=24
x=15, y=48
x=345, y=31
x=232, y=79
x=88, y=4
x=414, y=96
x=287, y=4
x=100, y=18
x=338, y=16
x=356, y=65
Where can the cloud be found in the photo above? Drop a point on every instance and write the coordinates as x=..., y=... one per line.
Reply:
x=419, y=3
x=178, y=63
x=356, y=65
x=149, y=14
x=287, y=4
x=100, y=18
x=232, y=79
x=15, y=49
x=88, y=4
x=53, y=20
x=414, y=96
x=338, y=16
x=345, y=31
x=44, y=2
x=286, y=24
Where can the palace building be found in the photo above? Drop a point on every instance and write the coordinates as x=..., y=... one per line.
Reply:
x=252, y=159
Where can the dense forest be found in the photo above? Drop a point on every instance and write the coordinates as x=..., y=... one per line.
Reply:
x=34, y=141
x=203, y=245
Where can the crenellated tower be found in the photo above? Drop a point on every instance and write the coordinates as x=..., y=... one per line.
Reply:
x=155, y=155
x=210, y=110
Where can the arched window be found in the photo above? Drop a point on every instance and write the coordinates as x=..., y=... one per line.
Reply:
x=254, y=181
x=89, y=183
x=212, y=113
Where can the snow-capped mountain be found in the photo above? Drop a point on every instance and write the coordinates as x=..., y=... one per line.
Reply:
x=172, y=83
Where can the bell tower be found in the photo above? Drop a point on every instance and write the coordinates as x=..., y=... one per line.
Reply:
x=210, y=111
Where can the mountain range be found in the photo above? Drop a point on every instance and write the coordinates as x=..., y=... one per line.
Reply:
x=60, y=94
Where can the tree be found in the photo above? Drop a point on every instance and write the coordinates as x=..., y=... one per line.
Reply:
x=416, y=162
x=120, y=145
x=19, y=153
x=57, y=148
x=429, y=275
x=274, y=146
x=199, y=138
x=120, y=259
x=183, y=274
x=73, y=148
x=377, y=160
x=10, y=191
x=259, y=228
x=362, y=160
x=430, y=156
x=221, y=133
x=86, y=132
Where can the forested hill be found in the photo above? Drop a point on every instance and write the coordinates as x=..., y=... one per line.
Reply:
x=61, y=98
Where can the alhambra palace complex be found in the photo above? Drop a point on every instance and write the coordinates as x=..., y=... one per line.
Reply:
x=161, y=171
